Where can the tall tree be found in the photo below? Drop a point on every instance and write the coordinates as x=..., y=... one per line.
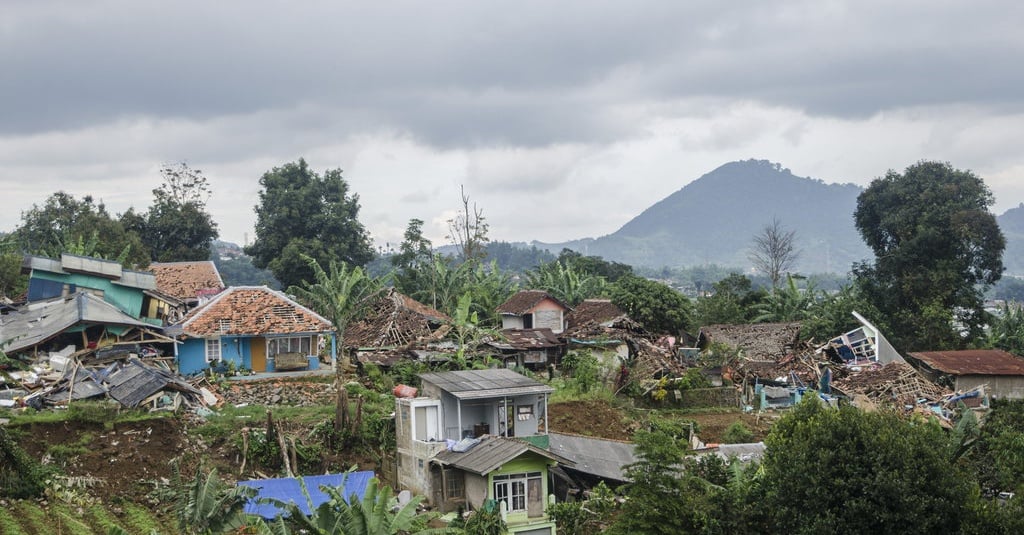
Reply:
x=774, y=251
x=468, y=230
x=302, y=212
x=64, y=223
x=177, y=226
x=937, y=247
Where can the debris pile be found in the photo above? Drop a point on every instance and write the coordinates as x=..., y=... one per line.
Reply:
x=276, y=392
x=895, y=382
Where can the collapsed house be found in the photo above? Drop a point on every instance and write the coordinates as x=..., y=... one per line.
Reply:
x=396, y=328
x=997, y=373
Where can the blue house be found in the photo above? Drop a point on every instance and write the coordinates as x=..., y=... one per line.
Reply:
x=252, y=327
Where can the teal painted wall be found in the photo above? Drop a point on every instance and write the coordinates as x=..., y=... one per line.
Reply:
x=192, y=353
x=128, y=300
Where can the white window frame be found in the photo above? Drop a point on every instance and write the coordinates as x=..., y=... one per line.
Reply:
x=293, y=344
x=213, y=350
x=513, y=489
x=432, y=427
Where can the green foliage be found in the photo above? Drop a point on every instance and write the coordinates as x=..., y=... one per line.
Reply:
x=788, y=302
x=177, y=226
x=302, y=212
x=659, y=308
x=339, y=294
x=582, y=366
x=1006, y=329
x=515, y=258
x=12, y=282
x=734, y=300
x=847, y=471
x=594, y=266
x=66, y=224
x=241, y=272
x=937, y=247
x=737, y=433
x=20, y=475
x=208, y=505
x=997, y=456
x=585, y=517
x=486, y=521
x=662, y=499
x=565, y=282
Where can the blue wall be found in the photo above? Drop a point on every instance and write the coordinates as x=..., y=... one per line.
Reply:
x=192, y=353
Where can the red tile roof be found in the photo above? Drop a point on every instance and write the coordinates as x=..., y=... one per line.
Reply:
x=524, y=300
x=253, y=310
x=973, y=362
x=185, y=280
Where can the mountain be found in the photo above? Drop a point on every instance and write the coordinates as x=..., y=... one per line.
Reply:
x=714, y=219
x=1012, y=225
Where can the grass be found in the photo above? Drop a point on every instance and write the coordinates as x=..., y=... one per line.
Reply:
x=68, y=522
x=31, y=517
x=102, y=518
x=138, y=519
x=8, y=524
x=228, y=420
x=106, y=413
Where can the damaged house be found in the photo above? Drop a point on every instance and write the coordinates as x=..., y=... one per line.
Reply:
x=396, y=327
x=1000, y=374
x=182, y=286
x=251, y=327
x=477, y=435
x=530, y=323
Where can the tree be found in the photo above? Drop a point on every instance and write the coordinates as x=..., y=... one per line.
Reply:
x=302, y=212
x=65, y=223
x=177, y=226
x=565, y=283
x=340, y=294
x=660, y=498
x=659, y=308
x=733, y=301
x=847, y=471
x=594, y=265
x=937, y=247
x=468, y=230
x=788, y=303
x=774, y=251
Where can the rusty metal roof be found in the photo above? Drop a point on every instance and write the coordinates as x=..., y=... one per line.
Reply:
x=524, y=301
x=973, y=362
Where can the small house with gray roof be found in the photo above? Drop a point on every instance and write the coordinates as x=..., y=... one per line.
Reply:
x=474, y=435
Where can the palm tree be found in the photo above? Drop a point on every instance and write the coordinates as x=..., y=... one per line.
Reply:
x=788, y=303
x=565, y=283
x=340, y=295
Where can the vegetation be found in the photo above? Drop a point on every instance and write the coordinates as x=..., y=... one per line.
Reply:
x=300, y=213
x=936, y=246
x=774, y=251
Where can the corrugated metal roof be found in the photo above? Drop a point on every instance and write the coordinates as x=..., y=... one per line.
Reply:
x=38, y=322
x=475, y=384
x=973, y=362
x=491, y=453
x=288, y=489
x=599, y=457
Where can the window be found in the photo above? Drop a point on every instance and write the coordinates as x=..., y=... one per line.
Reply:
x=453, y=483
x=212, y=349
x=527, y=321
x=512, y=489
x=294, y=344
x=426, y=424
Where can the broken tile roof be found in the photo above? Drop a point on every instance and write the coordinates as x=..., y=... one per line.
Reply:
x=973, y=362
x=252, y=310
x=594, y=311
x=896, y=381
x=186, y=280
x=524, y=300
x=526, y=339
x=395, y=319
x=757, y=341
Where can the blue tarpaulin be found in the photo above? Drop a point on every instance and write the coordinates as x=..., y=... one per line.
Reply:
x=287, y=489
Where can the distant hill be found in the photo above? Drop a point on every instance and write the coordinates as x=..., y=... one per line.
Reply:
x=1012, y=225
x=714, y=219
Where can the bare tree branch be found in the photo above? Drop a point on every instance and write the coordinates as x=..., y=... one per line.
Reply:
x=774, y=251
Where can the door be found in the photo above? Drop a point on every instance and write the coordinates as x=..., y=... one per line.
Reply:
x=258, y=349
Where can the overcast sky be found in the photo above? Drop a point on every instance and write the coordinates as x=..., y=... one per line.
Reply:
x=562, y=119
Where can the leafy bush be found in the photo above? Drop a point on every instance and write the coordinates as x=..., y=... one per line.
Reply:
x=737, y=433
